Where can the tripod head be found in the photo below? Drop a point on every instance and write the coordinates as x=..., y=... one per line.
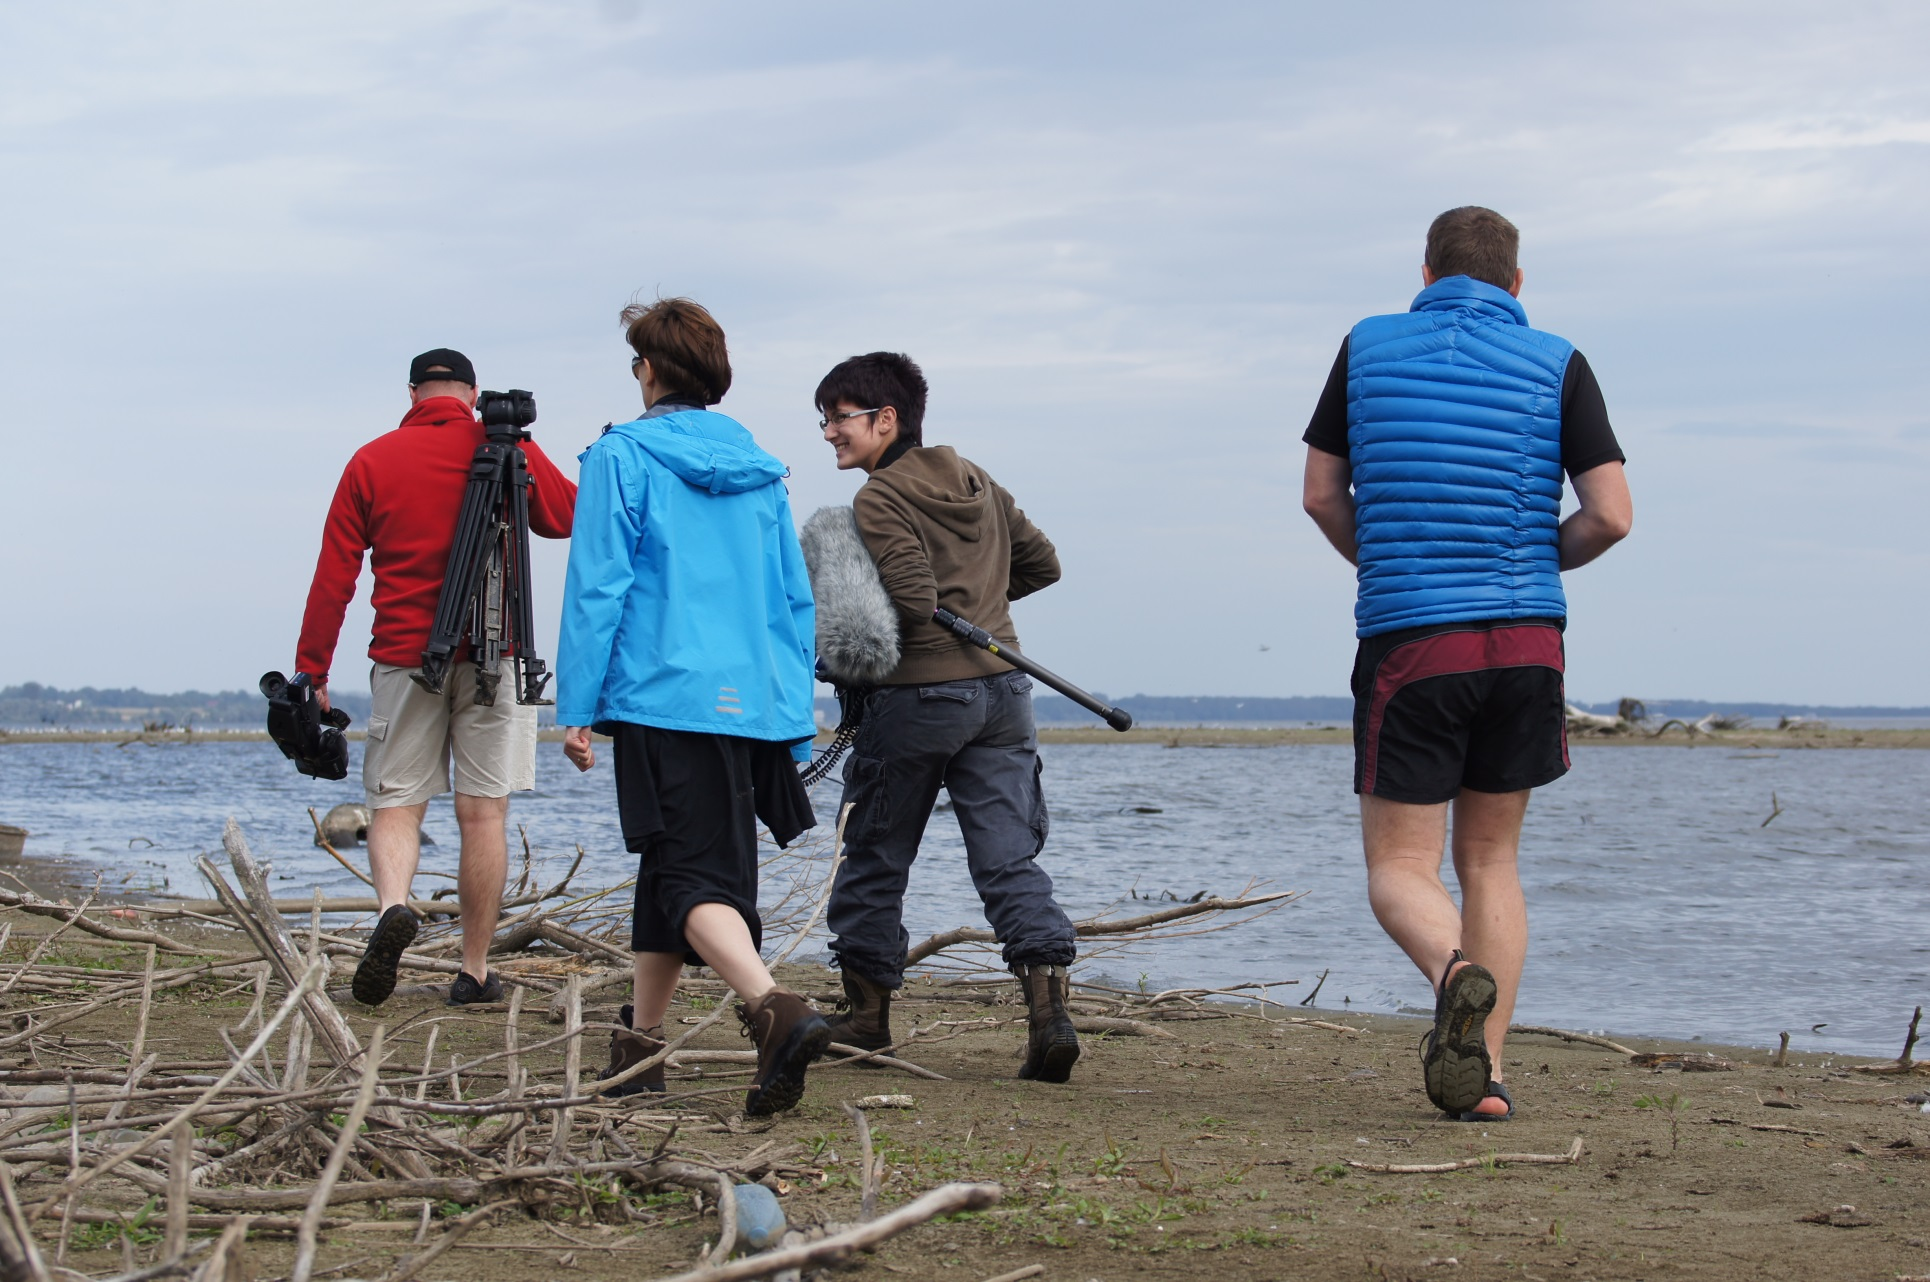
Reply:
x=507, y=415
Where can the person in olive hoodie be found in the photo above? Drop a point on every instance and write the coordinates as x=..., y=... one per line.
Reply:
x=942, y=533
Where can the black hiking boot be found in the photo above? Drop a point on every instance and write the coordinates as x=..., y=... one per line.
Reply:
x=865, y=1021
x=629, y=1047
x=375, y=976
x=1051, y=1044
x=788, y=1035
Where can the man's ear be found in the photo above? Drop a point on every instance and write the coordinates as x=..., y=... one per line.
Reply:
x=1427, y=276
x=1520, y=276
x=888, y=422
x=473, y=396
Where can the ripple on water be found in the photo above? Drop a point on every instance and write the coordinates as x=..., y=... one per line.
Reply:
x=1658, y=902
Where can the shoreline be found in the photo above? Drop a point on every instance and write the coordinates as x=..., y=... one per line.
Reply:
x=70, y=880
x=1197, y=1141
x=1799, y=739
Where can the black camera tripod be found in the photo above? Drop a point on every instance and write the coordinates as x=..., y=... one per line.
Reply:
x=486, y=591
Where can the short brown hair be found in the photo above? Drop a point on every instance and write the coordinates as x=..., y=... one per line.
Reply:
x=684, y=345
x=1472, y=241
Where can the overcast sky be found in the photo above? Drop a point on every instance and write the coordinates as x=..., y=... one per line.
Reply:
x=1124, y=240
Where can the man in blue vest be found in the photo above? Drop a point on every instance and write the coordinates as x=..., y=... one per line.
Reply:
x=1434, y=464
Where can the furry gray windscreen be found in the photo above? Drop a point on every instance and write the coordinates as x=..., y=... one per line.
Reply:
x=857, y=624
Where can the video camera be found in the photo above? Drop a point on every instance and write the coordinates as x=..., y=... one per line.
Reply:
x=306, y=735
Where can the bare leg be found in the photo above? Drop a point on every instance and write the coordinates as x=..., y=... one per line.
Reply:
x=1494, y=916
x=395, y=844
x=1404, y=845
x=655, y=984
x=720, y=937
x=480, y=875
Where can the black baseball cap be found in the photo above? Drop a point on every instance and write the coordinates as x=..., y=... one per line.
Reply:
x=460, y=370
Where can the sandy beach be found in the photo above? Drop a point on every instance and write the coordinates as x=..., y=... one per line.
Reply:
x=1209, y=1140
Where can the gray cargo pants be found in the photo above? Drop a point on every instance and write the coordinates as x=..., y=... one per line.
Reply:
x=976, y=738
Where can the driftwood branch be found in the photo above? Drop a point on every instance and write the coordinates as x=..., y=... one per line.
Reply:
x=868, y=1199
x=1570, y=1158
x=945, y=1200
x=1090, y=929
x=306, y=1238
x=1587, y=1039
x=28, y=902
x=1903, y=1063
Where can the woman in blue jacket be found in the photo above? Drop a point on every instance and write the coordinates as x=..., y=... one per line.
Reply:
x=688, y=634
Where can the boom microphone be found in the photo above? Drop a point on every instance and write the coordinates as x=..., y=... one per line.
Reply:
x=1118, y=718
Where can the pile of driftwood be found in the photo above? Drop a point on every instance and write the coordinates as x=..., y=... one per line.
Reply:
x=302, y=1116
x=1631, y=717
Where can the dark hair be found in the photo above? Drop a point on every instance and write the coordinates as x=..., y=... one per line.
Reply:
x=875, y=380
x=1472, y=241
x=684, y=345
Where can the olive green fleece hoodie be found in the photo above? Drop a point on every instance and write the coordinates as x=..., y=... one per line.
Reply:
x=945, y=534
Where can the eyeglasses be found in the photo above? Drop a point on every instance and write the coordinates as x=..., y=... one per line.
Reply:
x=825, y=423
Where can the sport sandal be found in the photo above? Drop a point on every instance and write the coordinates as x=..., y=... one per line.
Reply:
x=1454, y=1055
x=1495, y=1091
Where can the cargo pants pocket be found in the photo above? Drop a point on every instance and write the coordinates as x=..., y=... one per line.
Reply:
x=1041, y=820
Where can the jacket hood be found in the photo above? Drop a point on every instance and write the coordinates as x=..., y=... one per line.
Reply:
x=933, y=479
x=1471, y=294
x=711, y=451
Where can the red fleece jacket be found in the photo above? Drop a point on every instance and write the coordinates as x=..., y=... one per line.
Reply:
x=400, y=495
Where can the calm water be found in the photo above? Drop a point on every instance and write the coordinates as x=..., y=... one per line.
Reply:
x=1659, y=904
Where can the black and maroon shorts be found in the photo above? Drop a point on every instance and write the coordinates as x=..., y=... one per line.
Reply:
x=1459, y=705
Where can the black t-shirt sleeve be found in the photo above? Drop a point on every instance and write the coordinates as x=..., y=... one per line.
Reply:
x=1327, y=430
x=1587, y=440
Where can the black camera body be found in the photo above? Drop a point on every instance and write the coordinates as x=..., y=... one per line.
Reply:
x=306, y=735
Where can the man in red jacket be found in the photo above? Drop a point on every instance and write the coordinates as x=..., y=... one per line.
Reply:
x=399, y=498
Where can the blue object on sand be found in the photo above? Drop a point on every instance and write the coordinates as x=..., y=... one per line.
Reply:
x=760, y=1220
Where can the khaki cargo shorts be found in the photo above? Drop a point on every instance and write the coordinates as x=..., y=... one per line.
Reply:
x=413, y=736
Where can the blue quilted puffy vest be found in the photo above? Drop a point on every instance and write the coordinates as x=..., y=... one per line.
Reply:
x=1454, y=434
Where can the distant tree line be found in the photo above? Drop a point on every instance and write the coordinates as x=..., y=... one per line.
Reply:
x=89, y=708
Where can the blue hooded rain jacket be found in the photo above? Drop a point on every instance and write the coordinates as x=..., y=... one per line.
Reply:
x=686, y=605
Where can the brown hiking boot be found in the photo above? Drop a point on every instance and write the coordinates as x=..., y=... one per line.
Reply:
x=866, y=1019
x=788, y=1035
x=628, y=1047
x=1051, y=1044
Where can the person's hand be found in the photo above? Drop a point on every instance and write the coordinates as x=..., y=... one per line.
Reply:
x=321, y=696
x=577, y=747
